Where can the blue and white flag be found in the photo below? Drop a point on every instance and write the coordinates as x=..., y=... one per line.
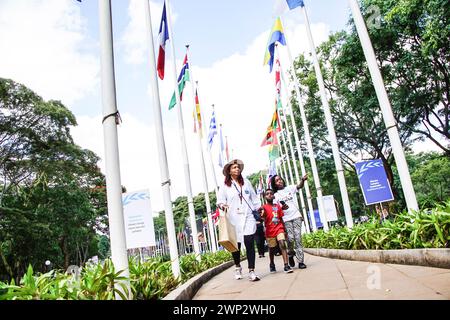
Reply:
x=212, y=130
x=281, y=6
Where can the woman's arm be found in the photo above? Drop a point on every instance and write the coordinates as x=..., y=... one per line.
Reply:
x=222, y=198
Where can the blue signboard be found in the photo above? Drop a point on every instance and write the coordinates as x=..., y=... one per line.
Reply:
x=373, y=180
x=319, y=223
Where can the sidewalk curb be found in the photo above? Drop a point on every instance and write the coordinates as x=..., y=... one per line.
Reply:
x=188, y=290
x=438, y=258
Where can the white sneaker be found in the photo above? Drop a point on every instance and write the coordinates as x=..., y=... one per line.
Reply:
x=238, y=273
x=252, y=276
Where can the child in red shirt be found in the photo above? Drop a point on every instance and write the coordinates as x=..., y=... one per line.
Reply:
x=272, y=215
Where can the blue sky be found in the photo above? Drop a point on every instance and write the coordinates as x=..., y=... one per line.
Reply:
x=52, y=46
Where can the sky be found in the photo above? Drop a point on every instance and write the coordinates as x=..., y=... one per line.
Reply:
x=52, y=47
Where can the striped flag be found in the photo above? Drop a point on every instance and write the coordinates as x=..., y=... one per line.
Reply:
x=212, y=130
x=182, y=78
x=272, y=130
x=163, y=36
x=278, y=83
x=199, y=116
x=276, y=35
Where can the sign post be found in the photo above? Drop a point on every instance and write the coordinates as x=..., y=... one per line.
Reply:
x=139, y=229
x=373, y=181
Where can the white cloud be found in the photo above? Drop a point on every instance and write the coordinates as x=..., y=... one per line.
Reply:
x=139, y=160
x=132, y=39
x=43, y=46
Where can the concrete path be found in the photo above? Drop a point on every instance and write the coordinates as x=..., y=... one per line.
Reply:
x=335, y=279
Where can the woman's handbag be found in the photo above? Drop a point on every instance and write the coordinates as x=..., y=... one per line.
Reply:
x=227, y=233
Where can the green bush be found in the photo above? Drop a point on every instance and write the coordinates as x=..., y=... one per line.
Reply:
x=149, y=280
x=407, y=230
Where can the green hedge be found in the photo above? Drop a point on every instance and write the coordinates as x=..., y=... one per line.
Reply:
x=421, y=229
x=149, y=280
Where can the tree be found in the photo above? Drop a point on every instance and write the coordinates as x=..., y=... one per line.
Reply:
x=431, y=178
x=52, y=201
x=413, y=60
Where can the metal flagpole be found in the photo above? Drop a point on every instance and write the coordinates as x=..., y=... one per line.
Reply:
x=185, y=158
x=187, y=174
x=110, y=121
x=297, y=177
x=284, y=143
x=309, y=145
x=299, y=153
x=199, y=139
x=162, y=155
x=385, y=105
x=283, y=164
x=286, y=126
x=330, y=125
x=204, y=177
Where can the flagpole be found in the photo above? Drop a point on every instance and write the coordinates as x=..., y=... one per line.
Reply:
x=330, y=125
x=184, y=155
x=385, y=105
x=284, y=144
x=203, y=171
x=211, y=163
x=283, y=164
x=297, y=177
x=299, y=152
x=112, y=165
x=162, y=155
x=309, y=145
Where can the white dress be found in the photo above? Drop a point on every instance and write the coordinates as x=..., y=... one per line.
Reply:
x=239, y=212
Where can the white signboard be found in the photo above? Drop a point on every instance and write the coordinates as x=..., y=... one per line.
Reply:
x=330, y=208
x=137, y=211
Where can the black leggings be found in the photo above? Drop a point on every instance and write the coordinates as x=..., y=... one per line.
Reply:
x=260, y=238
x=249, y=242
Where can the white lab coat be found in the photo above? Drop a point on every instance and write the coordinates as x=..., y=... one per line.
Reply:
x=239, y=212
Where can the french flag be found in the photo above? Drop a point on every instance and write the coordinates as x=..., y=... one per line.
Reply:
x=163, y=37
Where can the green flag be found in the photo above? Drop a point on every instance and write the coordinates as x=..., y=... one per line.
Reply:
x=184, y=76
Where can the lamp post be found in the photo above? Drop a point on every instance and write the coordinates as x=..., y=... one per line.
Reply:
x=48, y=265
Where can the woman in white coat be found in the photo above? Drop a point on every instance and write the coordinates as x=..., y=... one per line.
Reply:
x=238, y=197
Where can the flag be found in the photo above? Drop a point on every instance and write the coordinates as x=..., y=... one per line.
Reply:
x=222, y=148
x=282, y=6
x=278, y=83
x=274, y=151
x=182, y=78
x=163, y=36
x=260, y=188
x=212, y=130
x=276, y=35
x=215, y=216
x=272, y=172
x=272, y=130
x=199, y=116
x=226, y=149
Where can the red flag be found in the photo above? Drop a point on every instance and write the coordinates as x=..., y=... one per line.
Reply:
x=163, y=37
x=272, y=130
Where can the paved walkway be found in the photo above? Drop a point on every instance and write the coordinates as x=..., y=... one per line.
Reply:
x=331, y=279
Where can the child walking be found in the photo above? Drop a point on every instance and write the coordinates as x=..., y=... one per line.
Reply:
x=272, y=215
